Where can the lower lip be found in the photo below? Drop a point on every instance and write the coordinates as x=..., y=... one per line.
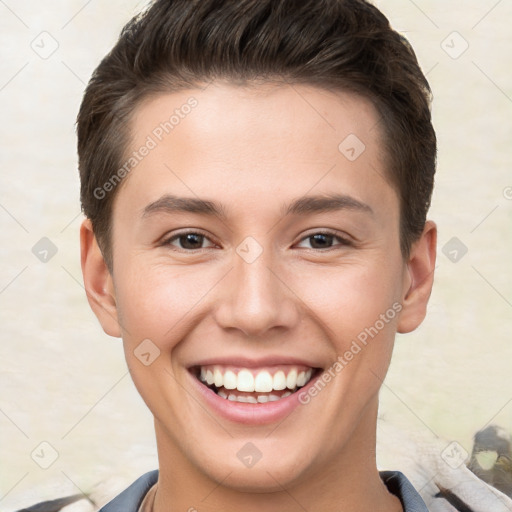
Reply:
x=251, y=414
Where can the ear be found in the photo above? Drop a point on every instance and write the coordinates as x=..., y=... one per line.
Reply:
x=418, y=279
x=98, y=282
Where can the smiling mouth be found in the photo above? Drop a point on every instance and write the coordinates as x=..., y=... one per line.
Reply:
x=248, y=385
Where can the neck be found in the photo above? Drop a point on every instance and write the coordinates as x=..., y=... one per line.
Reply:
x=346, y=481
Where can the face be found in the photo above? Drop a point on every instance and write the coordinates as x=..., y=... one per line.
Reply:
x=258, y=281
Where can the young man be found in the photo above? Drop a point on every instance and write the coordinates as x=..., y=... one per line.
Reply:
x=256, y=176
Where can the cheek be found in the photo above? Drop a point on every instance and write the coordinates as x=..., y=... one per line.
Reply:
x=158, y=306
x=351, y=298
x=156, y=301
x=357, y=308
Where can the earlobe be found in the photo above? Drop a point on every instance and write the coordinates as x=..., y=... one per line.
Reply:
x=419, y=279
x=98, y=282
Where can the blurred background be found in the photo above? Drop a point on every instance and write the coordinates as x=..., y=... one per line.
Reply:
x=69, y=413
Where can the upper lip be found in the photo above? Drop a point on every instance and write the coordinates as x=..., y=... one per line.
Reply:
x=245, y=362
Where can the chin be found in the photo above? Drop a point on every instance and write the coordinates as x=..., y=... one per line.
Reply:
x=267, y=478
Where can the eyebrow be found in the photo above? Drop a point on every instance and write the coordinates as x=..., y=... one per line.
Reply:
x=308, y=204
x=325, y=203
x=169, y=203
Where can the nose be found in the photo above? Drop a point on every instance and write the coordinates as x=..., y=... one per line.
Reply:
x=256, y=299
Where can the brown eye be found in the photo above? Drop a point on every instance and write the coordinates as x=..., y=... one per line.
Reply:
x=189, y=241
x=323, y=240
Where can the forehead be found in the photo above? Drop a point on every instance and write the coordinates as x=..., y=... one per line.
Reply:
x=252, y=142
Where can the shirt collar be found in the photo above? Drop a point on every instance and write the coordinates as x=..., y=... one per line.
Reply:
x=396, y=482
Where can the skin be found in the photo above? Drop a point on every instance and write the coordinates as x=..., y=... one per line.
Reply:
x=254, y=150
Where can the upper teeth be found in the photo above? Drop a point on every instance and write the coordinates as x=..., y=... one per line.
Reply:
x=261, y=381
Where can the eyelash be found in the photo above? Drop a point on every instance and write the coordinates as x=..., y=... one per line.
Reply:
x=343, y=241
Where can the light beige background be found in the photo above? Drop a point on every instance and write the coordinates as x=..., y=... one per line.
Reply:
x=63, y=381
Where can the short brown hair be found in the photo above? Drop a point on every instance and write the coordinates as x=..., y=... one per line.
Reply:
x=345, y=45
